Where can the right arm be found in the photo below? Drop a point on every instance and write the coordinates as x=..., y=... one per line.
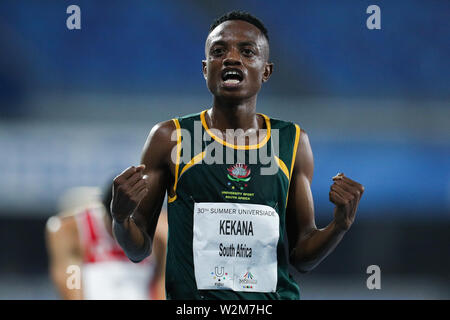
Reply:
x=138, y=194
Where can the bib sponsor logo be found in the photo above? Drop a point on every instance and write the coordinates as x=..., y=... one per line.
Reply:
x=248, y=280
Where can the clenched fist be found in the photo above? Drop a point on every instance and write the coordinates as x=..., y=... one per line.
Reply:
x=345, y=194
x=129, y=188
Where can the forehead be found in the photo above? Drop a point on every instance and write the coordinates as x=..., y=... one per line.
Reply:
x=236, y=30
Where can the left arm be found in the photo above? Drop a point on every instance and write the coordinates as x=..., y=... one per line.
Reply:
x=308, y=246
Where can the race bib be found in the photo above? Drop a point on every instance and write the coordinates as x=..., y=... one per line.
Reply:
x=235, y=246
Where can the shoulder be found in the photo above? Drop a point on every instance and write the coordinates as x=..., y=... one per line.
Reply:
x=62, y=231
x=159, y=144
x=304, y=160
x=61, y=224
x=286, y=127
x=276, y=123
x=163, y=131
x=166, y=132
x=191, y=116
x=161, y=135
x=303, y=141
x=288, y=131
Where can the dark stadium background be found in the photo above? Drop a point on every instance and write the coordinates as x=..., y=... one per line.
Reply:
x=76, y=107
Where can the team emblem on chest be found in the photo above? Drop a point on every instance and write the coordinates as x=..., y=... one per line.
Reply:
x=239, y=172
x=239, y=176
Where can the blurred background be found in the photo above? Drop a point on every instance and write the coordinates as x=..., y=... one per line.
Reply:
x=76, y=107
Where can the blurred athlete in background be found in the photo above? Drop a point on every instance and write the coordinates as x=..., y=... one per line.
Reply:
x=81, y=235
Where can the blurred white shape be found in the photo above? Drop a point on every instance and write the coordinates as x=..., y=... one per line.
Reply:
x=78, y=197
x=53, y=224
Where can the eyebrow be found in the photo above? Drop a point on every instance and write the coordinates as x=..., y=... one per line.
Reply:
x=248, y=43
x=218, y=42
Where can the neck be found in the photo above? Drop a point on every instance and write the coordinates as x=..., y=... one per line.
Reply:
x=226, y=114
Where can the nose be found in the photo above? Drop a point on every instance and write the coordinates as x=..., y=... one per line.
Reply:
x=232, y=58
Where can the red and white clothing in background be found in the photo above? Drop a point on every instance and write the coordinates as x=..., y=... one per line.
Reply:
x=107, y=273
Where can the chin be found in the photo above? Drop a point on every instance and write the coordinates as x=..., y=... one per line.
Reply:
x=231, y=94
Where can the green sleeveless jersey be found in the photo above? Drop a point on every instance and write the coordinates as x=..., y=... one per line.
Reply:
x=227, y=219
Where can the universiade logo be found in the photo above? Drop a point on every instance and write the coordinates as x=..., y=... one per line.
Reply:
x=219, y=149
x=219, y=276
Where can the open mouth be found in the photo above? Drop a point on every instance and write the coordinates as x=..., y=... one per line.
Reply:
x=232, y=76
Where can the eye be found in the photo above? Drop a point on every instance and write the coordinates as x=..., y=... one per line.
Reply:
x=217, y=51
x=248, y=52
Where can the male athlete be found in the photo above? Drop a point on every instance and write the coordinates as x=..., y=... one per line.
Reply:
x=233, y=227
x=81, y=235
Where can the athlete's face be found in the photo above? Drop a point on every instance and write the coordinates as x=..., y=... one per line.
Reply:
x=236, y=60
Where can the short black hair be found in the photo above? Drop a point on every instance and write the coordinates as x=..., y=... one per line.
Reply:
x=240, y=15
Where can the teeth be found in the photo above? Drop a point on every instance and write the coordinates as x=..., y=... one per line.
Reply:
x=232, y=81
x=231, y=73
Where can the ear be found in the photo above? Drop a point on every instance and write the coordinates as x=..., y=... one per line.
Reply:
x=268, y=69
x=205, y=71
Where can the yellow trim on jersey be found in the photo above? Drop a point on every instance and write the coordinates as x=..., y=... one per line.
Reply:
x=177, y=164
x=172, y=199
x=238, y=147
x=198, y=158
x=294, y=155
x=282, y=166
